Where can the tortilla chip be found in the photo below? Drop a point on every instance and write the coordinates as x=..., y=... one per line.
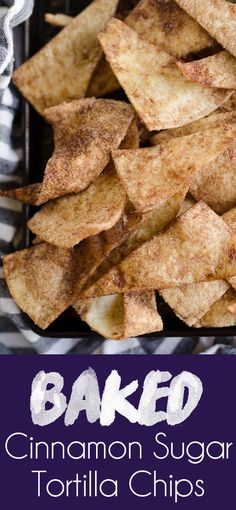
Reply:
x=40, y=280
x=214, y=120
x=62, y=69
x=197, y=247
x=217, y=70
x=219, y=315
x=70, y=219
x=85, y=132
x=191, y=302
x=187, y=203
x=146, y=226
x=27, y=194
x=121, y=316
x=218, y=17
x=149, y=77
x=164, y=24
x=154, y=174
x=103, y=81
x=215, y=183
x=57, y=20
x=230, y=218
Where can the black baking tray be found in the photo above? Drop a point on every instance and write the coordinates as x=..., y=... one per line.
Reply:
x=38, y=146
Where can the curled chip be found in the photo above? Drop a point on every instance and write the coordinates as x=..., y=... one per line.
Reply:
x=57, y=20
x=62, y=69
x=217, y=70
x=85, y=132
x=219, y=315
x=41, y=280
x=154, y=174
x=68, y=220
x=122, y=315
x=168, y=27
x=197, y=247
x=150, y=76
x=214, y=120
x=218, y=17
x=191, y=302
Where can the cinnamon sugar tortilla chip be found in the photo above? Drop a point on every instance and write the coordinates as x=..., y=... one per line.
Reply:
x=168, y=27
x=198, y=246
x=122, y=315
x=213, y=120
x=218, y=17
x=27, y=194
x=154, y=174
x=68, y=220
x=62, y=69
x=85, y=132
x=103, y=81
x=191, y=302
x=217, y=70
x=40, y=280
x=215, y=183
x=219, y=316
x=161, y=95
x=145, y=227
x=57, y=20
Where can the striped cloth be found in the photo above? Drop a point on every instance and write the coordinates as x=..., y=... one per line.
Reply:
x=15, y=333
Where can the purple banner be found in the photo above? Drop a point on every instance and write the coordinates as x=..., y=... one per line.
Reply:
x=101, y=431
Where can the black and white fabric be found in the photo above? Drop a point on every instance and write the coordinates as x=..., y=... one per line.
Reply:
x=15, y=333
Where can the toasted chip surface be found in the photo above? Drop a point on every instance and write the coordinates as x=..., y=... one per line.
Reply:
x=214, y=120
x=154, y=174
x=198, y=246
x=215, y=183
x=85, y=132
x=103, y=81
x=121, y=316
x=68, y=220
x=62, y=69
x=168, y=27
x=58, y=20
x=219, y=316
x=41, y=280
x=218, y=17
x=217, y=70
x=192, y=302
x=159, y=92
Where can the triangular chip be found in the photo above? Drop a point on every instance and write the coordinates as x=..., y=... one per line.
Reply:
x=198, y=246
x=27, y=194
x=146, y=226
x=154, y=174
x=168, y=27
x=41, y=280
x=218, y=17
x=62, y=69
x=191, y=302
x=159, y=92
x=68, y=220
x=214, y=120
x=85, y=133
x=121, y=316
x=217, y=70
x=215, y=183
x=103, y=81
x=219, y=316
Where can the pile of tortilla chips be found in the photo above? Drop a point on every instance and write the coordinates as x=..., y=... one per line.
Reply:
x=139, y=196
